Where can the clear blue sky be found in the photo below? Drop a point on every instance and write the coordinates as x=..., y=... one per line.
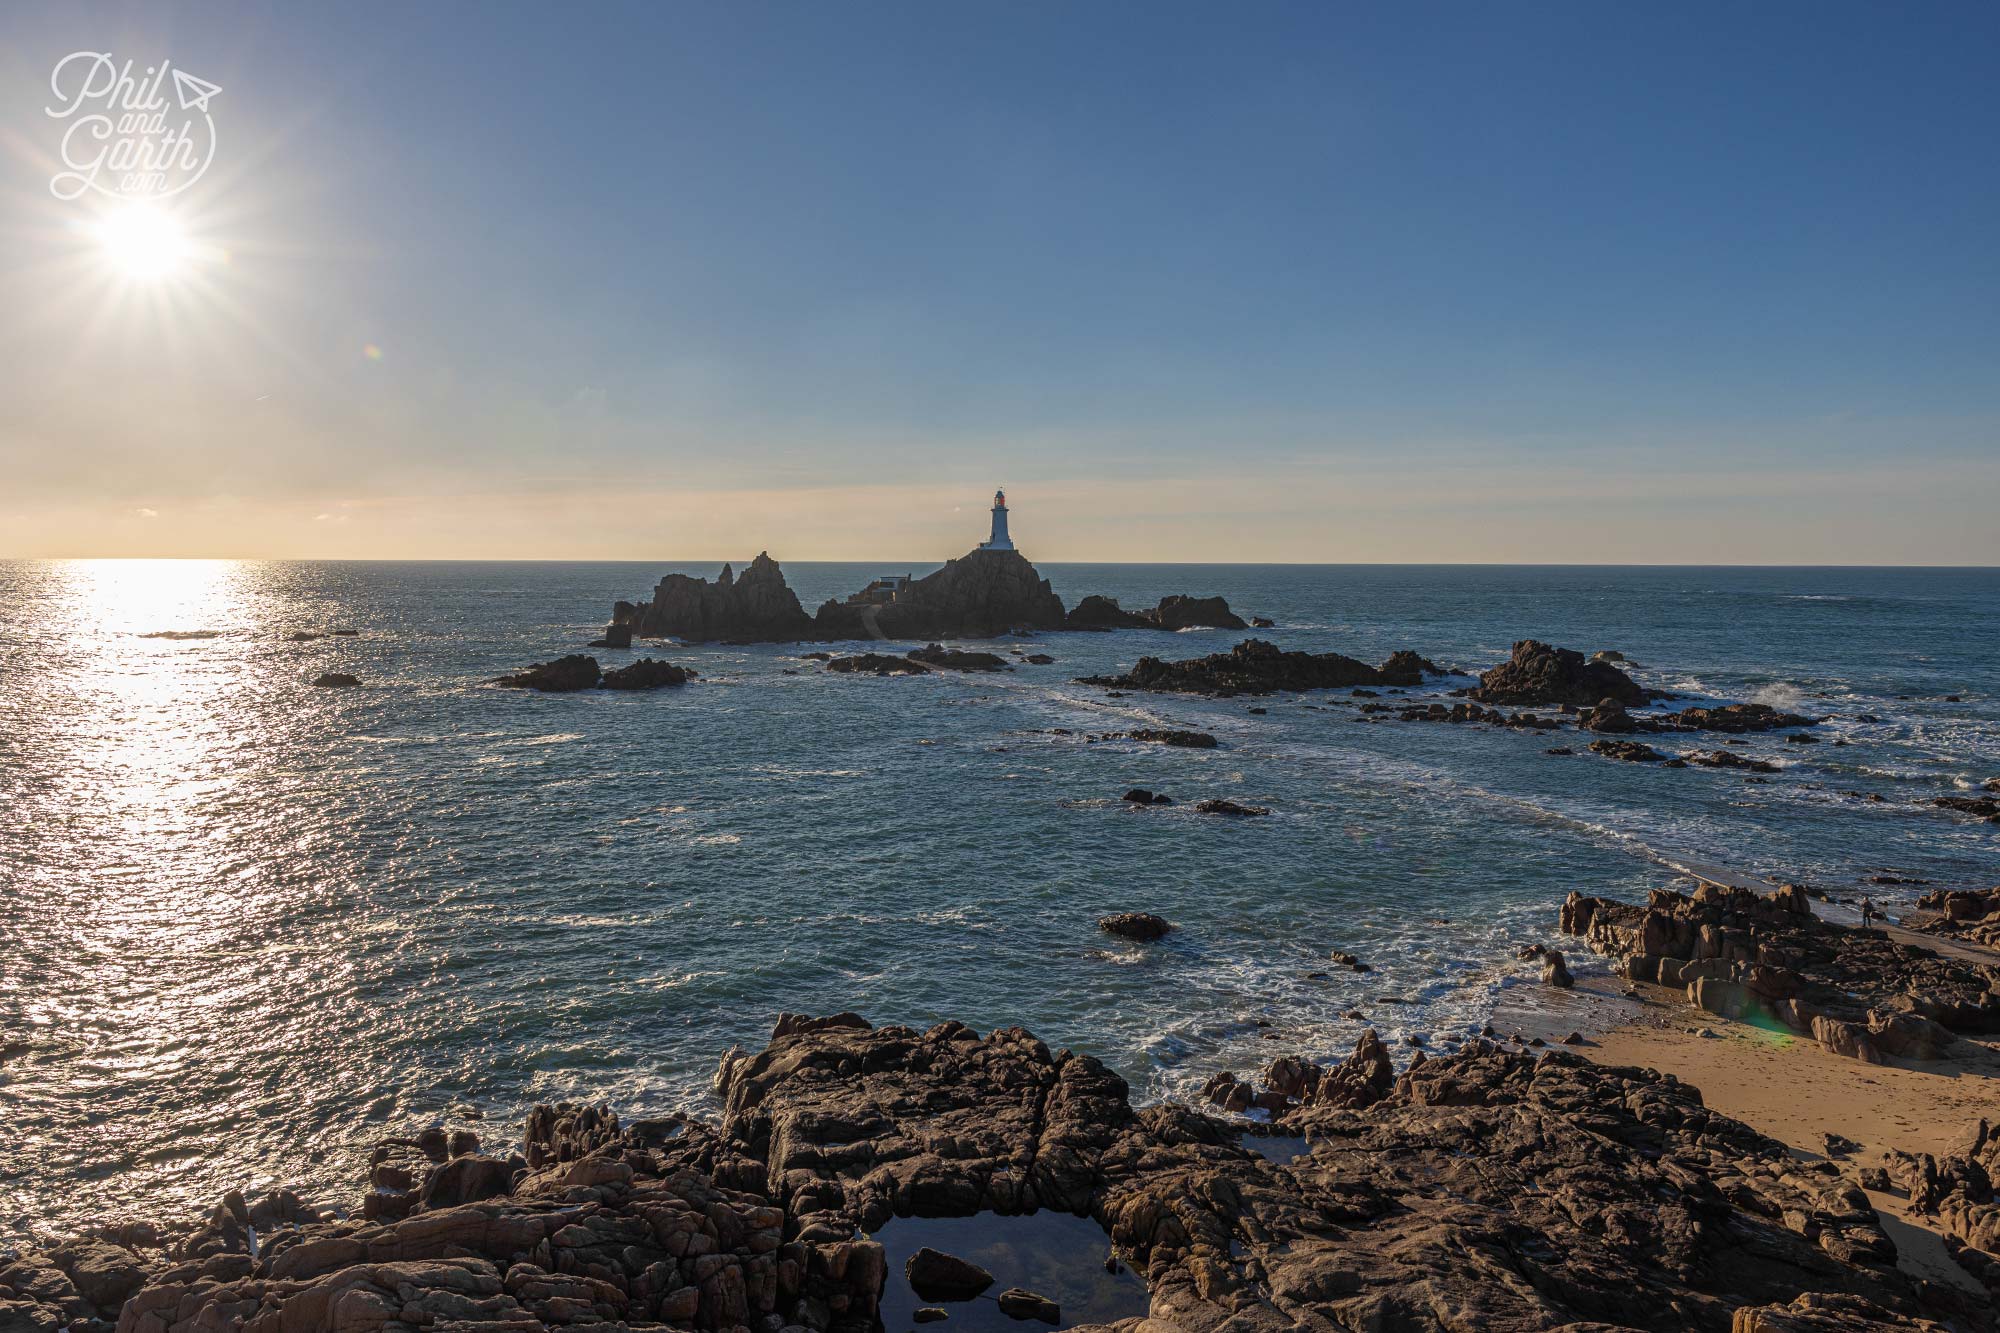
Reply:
x=1276, y=281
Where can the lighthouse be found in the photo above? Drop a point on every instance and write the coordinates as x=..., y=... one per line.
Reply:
x=999, y=541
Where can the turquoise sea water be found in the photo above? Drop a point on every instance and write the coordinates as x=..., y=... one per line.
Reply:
x=249, y=925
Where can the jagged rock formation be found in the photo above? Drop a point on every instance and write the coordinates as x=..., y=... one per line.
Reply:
x=1257, y=667
x=1958, y=1190
x=1969, y=914
x=759, y=607
x=980, y=595
x=1543, y=675
x=1766, y=958
x=1097, y=612
x=1485, y=1189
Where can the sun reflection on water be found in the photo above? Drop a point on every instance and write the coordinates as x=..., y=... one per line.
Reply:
x=145, y=774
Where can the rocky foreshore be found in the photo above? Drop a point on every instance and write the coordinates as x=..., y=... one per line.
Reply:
x=1485, y=1189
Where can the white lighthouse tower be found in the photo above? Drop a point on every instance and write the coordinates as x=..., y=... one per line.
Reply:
x=999, y=541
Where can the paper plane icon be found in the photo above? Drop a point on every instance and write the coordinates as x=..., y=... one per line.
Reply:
x=194, y=93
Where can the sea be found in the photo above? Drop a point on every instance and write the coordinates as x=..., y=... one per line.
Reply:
x=248, y=927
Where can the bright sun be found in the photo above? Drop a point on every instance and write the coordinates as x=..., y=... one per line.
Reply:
x=143, y=243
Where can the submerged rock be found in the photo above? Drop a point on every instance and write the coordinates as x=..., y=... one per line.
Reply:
x=1180, y=739
x=1731, y=759
x=1019, y=1303
x=1216, y=805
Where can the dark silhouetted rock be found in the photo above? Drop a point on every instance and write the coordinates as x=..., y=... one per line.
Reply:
x=878, y=664
x=1538, y=673
x=1632, y=752
x=937, y=1276
x=1097, y=612
x=1186, y=740
x=1140, y=796
x=1217, y=805
x=1135, y=925
x=1730, y=759
x=336, y=680
x=980, y=595
x=956, y=659
x=759, y=607
x=1986, y=807
x=1257, y=667
x=616, y=635
x=563, y=676
x=646, y=674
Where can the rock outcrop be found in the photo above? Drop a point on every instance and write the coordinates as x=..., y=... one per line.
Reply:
x=1178, y=612
x=1257, y=667
x=1547, y=676
x=567, y=675
x=1957, y=1189
x=980, y=595
x=1484, y=1189
x=876, y=664
x=758, y=607
x=1135, y=925
x=1969, y=914
x=958, y=659
x=1765, y=958
x=1480, y=1190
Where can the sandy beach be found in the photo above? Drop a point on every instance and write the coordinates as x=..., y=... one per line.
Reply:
x=1788, y=1087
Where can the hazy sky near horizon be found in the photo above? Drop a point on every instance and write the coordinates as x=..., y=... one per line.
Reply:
x=1316, y=282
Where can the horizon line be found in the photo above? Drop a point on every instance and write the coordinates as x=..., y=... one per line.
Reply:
x=932, y=560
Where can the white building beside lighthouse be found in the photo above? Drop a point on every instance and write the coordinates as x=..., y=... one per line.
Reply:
x=999, y=541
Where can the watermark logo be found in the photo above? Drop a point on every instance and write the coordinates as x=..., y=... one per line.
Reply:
x=129, y=134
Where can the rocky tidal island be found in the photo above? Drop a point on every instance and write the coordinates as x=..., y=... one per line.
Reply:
x=989, y=591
